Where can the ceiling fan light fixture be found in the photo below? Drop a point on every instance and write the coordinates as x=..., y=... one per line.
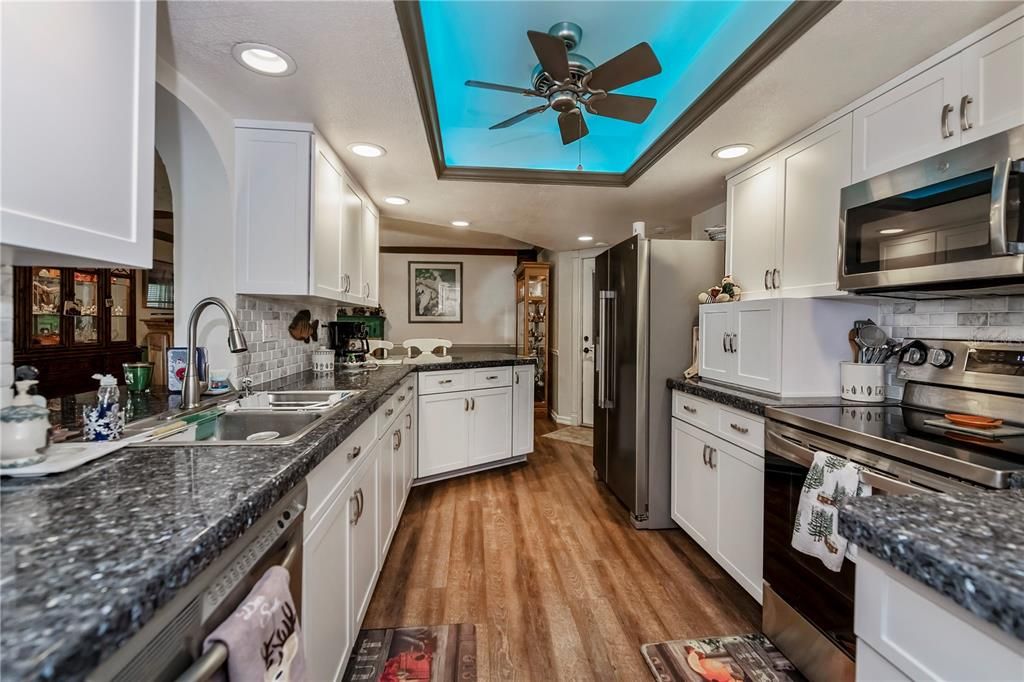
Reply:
x=732, y=151
x=396, y=201
x=460, y=223
x=367, y=150
x=263, y=59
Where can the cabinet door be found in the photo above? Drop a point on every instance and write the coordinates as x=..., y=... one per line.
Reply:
x=386, y=491
x=443, y=433
x=490, y=425
x=77, y=131
x=751, y=215
x=907, y=124
x=326, y=608
x=325, y=256
x=398, y=477
x=272, y=174
x=411, y=441
x=812, y=173
x=740, y=514
x=694, y=493
x=351, y=244
x=371, y=246
x=758, y=330
x=993, y=77
x=716, y=362
x=522, y=410
x=362, y=551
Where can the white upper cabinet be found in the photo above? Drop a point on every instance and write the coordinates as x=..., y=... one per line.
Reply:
x=301, y=226
x=751, y=226
x=371, y=250
x=812, y=172
x=914, y=120
x=715, y=335
x=993, y=84
x=756, y=335
x=77, y=123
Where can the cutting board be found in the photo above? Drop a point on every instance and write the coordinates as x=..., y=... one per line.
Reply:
x=991, y=434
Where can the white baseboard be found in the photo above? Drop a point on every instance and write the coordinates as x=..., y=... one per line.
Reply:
x=559, y=419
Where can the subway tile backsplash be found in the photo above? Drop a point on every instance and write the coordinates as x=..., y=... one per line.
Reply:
x=273, y=353
x=985, y=318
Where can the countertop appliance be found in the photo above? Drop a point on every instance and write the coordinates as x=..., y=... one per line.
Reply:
x=949, y=222
x=169, y=646
x=808, y=609
x=645, y=305
x=350, y=340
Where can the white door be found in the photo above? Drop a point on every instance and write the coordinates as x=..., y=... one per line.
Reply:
x=522, y=410
x=587, y=367
x=993, y=77
x=740, y=514
x=694, y=493
x=443, y=433
x=758, y=357
x=326, y=617
x=716, y=361
x=77, y=124
x=371, y=246
x=363, y=555
x=751, y=198
x=913, y=121
x=352, y=244
x=490, y=425
x=812, y=173
x=325, y=256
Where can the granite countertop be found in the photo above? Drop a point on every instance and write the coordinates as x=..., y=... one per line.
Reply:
x=967, y=546
x=748, y=401
x=88, y=556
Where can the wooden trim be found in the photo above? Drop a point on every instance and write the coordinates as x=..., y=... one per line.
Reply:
x=783, y=32
x=450, y=251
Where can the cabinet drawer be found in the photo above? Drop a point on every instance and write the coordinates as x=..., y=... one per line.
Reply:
x=742, y=429
x=388, y=412
x=491, y=376
x=330, y=474
x=696, y=411
x=443, y=382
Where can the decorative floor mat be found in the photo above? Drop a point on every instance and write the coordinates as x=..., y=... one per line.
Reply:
x=435, y=653
x=720, y=659
x=580, y=435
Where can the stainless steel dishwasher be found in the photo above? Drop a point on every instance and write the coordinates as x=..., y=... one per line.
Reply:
x=169, y=646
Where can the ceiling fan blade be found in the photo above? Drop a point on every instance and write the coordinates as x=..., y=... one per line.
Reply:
x=502, y=88
x=551, y=54
x=623, y=107
x=519, y=117
x=635, y=64
x=572, y=125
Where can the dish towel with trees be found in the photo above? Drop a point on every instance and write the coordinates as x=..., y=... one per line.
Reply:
x=829, y=482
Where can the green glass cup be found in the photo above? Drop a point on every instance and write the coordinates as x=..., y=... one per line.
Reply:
x=137, y=376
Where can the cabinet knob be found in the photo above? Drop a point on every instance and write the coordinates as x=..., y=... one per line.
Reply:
x=388, y=412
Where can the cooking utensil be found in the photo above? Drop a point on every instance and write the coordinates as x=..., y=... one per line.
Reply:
x=870, y=336
x=853, y=344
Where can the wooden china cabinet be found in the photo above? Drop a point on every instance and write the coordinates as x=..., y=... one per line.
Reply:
x=71, y=323
x=533, y=294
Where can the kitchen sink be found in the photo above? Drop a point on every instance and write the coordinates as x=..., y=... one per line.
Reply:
x=261, y=426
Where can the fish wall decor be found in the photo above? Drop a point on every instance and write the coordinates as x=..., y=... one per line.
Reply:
x=303, y=327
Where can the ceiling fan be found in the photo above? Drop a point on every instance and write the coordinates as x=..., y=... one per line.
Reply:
x=568, y=81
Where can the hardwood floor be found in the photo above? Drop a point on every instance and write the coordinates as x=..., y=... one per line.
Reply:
x=543, y=560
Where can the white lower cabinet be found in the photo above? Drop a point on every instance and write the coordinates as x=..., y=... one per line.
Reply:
x=387, y=474
x=490, y=425
x=363, y=537
x=694, y=492
x=444, y=433
x=522, y=410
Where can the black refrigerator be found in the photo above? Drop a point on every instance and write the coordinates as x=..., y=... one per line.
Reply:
x=645, y=308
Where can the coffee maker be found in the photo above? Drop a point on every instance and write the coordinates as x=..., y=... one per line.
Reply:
x=349, y=341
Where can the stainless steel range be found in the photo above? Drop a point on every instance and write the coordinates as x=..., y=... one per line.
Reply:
x=905, y=448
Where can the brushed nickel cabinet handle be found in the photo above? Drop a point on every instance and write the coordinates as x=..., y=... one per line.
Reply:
x=704, y=455
x=355, y=511
x=472, y=403
x=737, y=427
x=767, y=284
x=492, y=378
x=356, y=451
x=408, y=421
x=396, y=439
x=775, y=278
x=691, y=410
x=445, y=381
x=711, y=458
x=965, y=123
x=947, y=109
x=466, y=407
x=517, y=377
x=725, y=342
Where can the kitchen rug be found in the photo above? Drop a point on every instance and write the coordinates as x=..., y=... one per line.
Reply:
x=435, y=653
x=580, y=435
x=719, y=659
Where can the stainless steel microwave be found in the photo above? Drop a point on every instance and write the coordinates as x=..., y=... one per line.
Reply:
x=950, y=222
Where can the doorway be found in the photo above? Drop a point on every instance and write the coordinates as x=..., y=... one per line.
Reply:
x=587, y=339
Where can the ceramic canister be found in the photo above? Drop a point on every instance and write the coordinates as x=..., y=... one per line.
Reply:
x=863, y=382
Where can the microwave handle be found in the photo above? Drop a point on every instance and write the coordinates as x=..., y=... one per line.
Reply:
x=998, y=207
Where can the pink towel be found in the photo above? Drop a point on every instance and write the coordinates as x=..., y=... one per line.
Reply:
x=262, y=635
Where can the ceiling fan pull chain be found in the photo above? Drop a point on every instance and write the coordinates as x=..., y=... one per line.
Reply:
x=579, y=147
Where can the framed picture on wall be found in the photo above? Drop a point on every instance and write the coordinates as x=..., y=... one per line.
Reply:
x=435, y=292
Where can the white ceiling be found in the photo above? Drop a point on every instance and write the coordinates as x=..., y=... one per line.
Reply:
x=353, y=82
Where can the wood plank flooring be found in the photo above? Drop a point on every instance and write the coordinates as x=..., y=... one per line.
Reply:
x=543, y=560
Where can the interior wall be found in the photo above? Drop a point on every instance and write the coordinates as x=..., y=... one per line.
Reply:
x=710, y=218
x=488, y=300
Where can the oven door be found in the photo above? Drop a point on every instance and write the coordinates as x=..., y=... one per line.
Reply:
x=950, y=221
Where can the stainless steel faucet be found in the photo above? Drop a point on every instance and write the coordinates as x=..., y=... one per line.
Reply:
x=191, y=390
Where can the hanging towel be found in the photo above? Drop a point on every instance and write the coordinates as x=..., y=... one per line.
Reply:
x=830, y=480
x=262, y=635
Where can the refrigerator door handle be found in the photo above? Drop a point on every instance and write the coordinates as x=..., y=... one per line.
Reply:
x=602, y=348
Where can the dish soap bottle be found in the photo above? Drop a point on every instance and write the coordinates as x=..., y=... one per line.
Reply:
x=104, y=421
x=25, y=427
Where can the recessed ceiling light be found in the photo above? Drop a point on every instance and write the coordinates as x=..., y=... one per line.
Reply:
x=460, y=223
x=585, y=238
x=891, y=230
x=600, y=243
x=370, y=151
x=396, y=201
x=661, y=229
x=732, y=151
x=263, y=59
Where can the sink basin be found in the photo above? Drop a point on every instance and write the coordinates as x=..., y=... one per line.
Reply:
x=261, y=426
x=293, y=400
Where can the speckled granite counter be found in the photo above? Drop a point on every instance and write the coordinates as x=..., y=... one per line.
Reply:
x=744, y=400
x=88, y=556
x=968, y=547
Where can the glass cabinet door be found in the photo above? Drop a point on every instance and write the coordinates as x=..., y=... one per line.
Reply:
x=119, y=304
x=84, y=308
x=47, y=305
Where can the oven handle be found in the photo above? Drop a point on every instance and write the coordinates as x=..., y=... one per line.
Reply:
x=890, y=485
x=998, y=207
